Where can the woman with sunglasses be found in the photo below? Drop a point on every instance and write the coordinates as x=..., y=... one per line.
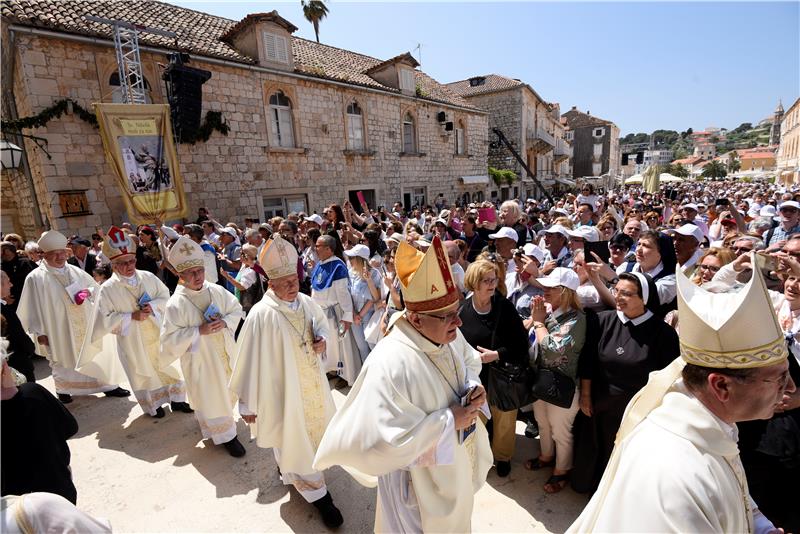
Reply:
x=493, y=327
x=622, y=347
x=560, y=335
x=655, y=256
x=710, y=263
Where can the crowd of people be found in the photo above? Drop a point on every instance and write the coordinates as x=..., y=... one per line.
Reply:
x=553, y=314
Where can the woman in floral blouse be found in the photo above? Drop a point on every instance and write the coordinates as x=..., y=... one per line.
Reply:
x=560, y=335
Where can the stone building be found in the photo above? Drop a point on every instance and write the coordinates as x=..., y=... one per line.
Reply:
x=530, y=124
x=788, y=162
x=595, y=144
x=310, y=124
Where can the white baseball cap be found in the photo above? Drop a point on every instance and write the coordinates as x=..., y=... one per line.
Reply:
x=362, y=251
x=690, y=230
x=561, y=211
x=533, y=251
x=505, y=232
x=587, y=233
x=689, y=206
x=230, y=231
x=767, y=211
x=558, y=229
x=315, y=218
x=561, y=276
x=789, y=204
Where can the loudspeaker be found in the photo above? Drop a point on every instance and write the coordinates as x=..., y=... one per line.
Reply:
x=441, y=116
x=448, y=127
x=624, y=159
x=185, y=95
x=640, y=157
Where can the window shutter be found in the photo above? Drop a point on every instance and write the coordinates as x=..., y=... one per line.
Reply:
x=281, y=49
x=459, y=140
x=408, y=137
x=355, y=133
x=269, y=44
x=286, y=130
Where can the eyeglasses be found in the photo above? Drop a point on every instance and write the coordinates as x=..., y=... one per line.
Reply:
x=622, y=293
x=795, y=255
x=788, y=210
x=617, y=248
x=782, y=380
x=450, y=317
x=489, y=281
x=740, y=250
x=712, y=268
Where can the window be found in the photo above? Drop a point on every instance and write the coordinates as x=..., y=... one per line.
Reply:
x=460, y=148
x=281, y=206
x=599, y=132
x=280, y=110
x=598, y=150
x=409, y=134
x=355, y=127
x=276, y=48
x=117, y=95
x=597, y=169
x=476, y=81
x=569, y=136
x=407, y=80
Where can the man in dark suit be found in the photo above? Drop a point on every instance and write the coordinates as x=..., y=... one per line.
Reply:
x=17, y=268
x=80, y=254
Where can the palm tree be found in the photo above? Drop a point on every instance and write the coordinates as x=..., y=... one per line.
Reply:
x=714, y=169
x=314, y=11
x=676, y=169
x=734, y=165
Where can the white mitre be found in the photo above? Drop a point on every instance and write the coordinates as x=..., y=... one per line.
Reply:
x=278, y=258
x=52, y=240
x=729, y=330
x=186, y=254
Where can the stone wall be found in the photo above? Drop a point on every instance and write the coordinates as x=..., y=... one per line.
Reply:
x=233, y=175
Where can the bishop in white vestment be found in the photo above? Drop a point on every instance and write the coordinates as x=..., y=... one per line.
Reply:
x=199, y=322
x=405, y=422
x=675, y=465
x=130, y=305
x=279, y=377
x=56, y=307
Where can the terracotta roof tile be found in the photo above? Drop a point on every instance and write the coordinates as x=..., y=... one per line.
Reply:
x=578, y=119
x=490, y=84
x=254, y=18
x=202, y=34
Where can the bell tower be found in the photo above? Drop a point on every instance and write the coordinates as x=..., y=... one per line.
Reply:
x=775, y=131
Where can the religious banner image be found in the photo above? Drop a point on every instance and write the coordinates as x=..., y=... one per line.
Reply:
x=138, y=143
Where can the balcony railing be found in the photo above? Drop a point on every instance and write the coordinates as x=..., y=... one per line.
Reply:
x=539, y=140
x=562, y=151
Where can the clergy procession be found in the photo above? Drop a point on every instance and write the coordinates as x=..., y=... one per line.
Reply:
x=639, y=350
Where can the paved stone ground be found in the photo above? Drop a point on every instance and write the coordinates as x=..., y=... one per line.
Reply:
x=157, y=475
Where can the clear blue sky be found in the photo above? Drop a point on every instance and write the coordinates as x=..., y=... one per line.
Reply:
x=643, y=65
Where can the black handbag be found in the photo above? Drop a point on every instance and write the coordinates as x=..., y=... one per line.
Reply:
x=509, y=385
x=554, y=387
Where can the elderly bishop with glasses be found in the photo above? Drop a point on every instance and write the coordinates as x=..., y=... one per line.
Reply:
x=411, y=419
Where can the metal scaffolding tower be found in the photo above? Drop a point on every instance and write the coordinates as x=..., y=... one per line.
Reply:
x=129, y=63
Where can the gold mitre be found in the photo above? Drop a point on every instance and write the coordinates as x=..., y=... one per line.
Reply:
x=426, y=278
x=729, y=330
x=278, y=258
x=186, y=254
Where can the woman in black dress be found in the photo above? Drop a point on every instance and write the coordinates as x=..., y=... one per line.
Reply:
x=622, y=348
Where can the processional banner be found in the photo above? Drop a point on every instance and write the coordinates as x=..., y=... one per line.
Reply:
x=138, y=144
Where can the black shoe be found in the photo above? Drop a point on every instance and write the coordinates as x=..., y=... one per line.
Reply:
x=331, y=515
x=119, y=392
x=503, y=468
x=181, y=407
x=532, y=430
x=159, y=413
x=235, y=448
x=64, y=398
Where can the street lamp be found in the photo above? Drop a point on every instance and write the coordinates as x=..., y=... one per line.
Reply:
x=11, y=155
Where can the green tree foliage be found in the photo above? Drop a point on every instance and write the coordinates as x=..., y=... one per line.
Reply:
x=734, y=165
x=501, y=176
x=665, y=138
x=314, y=11
x=678, y=170
x=714, y=169
x=745, y=126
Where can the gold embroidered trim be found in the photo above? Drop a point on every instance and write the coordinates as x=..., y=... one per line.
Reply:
x=189, y=264
x=761, y=356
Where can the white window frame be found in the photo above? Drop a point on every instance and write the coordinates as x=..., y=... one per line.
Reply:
x=598, y=132
x=276, y=48
x=281, y=121
x=598, y=150
x=407, y=80
x=355, y=127
x=597, y=169
x=409, y=126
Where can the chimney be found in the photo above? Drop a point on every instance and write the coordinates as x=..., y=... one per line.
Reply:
x=574, y=108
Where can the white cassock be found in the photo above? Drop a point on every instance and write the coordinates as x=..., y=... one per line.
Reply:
x=137, y=342
x=205, y=360
x=396, y=424
x=331, y=290
x=678, y=471
x=278, y=377
x=47, y=308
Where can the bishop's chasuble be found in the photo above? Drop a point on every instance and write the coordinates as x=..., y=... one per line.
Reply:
x=136, y=342
x=279, y=378
x=47, y=307
x=396, y=425
x=205, y=360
